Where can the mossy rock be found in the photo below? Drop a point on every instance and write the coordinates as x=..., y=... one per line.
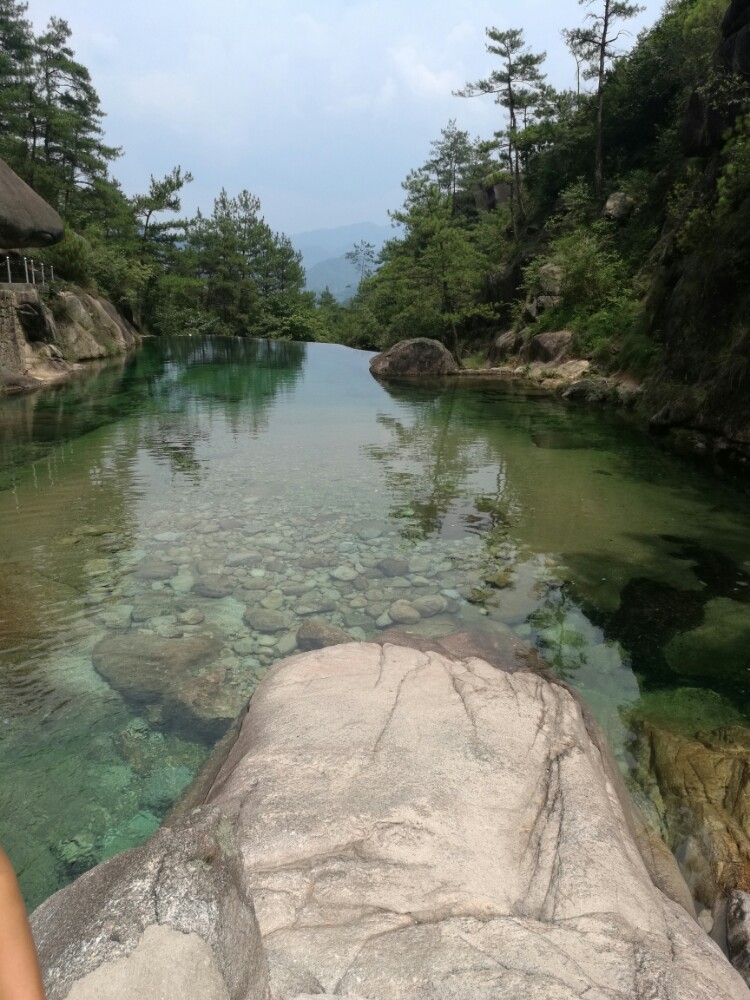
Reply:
x=719, y=646
x=684, y=710
x=501, y=580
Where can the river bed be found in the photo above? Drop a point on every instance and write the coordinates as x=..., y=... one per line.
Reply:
x=168, y=522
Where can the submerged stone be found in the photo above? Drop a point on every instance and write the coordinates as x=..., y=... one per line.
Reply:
x=155, y=569
x=393, y=566
x=317, y=634
x=214, y=587
x=262, y=620
x=403, y=613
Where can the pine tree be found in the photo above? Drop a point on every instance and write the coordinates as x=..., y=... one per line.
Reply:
x=516, y=87
x=16, y=75
x=595, y=44
x=66, y=151
x=362, y=256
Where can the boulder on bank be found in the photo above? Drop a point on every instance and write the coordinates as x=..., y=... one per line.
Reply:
x=551, y=347
x=619, y=207
x=507, y=345
x=586, y=390
x=417, y=358
x=418, y=823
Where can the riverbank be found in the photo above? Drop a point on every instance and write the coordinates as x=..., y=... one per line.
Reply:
x=45, y=335
x=679, y=418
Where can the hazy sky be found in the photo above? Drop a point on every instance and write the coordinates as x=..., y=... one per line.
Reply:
x=319, y=107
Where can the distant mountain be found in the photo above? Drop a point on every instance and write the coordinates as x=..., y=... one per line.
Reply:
x=324, y=255
x=337, y=274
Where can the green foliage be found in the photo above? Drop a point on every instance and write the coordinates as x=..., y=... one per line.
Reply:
x=638, y=352
x=733, y=184
x=72, y=259
x=518, y=87
x=591, y=272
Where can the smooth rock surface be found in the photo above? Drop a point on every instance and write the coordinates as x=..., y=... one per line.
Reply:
x=505, y=346
x=550, y=347
x=414, y=826
x=170, y=920
x=414, y=358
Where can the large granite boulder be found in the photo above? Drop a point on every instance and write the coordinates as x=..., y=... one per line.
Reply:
x=414, y=359
x=413, y=823
x=171, y=920
x=26, y=220
x=551, y=347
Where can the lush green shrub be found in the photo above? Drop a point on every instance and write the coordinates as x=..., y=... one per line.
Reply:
x=72, y=259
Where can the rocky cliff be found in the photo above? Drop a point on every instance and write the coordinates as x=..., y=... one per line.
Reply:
x=44, y=335
x=395, y=823
x=698, y=304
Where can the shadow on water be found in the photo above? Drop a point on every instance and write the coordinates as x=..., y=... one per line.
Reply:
x=696, y=636
x=679, y=607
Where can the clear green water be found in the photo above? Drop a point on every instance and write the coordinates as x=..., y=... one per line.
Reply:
x=277, y=477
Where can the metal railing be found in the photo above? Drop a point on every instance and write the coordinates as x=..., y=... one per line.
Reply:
x=25, y=271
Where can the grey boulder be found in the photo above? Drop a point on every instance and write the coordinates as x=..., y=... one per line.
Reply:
x=167, y=921
x=414, y=359
x=417, y=826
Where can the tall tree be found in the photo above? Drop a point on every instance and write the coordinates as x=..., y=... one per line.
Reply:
x=362, y=255
x=596, y=43
x=516, y=87
x=16, y=74
x=580, y=47
x=66, y=148
x=163, y=196
x=453, y=156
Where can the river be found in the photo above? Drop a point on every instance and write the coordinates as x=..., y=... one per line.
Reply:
x=168, y=521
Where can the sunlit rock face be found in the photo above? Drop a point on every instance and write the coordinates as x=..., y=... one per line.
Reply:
x=405, y=821
x=415, y=824
x=42, y=338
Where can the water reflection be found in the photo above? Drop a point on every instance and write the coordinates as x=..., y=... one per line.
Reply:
x=193, y=505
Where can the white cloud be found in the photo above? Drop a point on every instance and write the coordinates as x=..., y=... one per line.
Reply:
x=318, y=106
x=171, y=98
x=420, y=80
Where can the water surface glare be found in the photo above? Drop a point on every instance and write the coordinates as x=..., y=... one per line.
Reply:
x=167, y=522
